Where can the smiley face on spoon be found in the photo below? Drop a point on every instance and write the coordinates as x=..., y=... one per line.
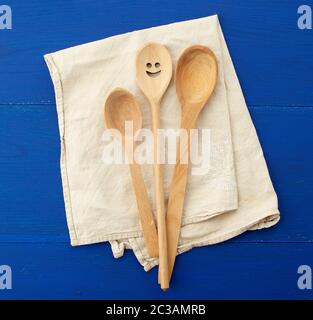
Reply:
x=153, y=69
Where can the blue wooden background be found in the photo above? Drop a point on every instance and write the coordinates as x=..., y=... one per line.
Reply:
x=274, y=61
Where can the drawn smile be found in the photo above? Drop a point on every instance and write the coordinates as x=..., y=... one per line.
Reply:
x=153, y=74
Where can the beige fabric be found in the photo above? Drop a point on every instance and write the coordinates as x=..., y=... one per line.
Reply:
x=234, y=196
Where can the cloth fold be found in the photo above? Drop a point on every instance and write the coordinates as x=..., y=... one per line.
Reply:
x=234, y=196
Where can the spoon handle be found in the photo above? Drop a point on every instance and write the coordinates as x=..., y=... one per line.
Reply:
x=145, y=212
x=159, y=194
x=177, y=194
x=175, y=211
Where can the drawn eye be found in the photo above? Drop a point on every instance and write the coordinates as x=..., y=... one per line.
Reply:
x=157, y=65
x=149, y=65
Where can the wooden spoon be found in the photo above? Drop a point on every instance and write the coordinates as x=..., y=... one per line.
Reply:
x=153, y=73
x=196, y=76
x=121, y=106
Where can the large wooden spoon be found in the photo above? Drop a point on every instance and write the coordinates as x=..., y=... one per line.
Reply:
x=153, y=73
x=121, y=106
x=196, y=76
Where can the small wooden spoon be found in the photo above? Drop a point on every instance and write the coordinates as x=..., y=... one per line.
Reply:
x=153, y=73
x=196, y=76
x=121, y=106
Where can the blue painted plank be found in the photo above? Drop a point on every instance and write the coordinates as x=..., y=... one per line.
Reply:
x=272, y=56
x=225, y=271
x=31, y=201
x=286, y=137
x=31, y=204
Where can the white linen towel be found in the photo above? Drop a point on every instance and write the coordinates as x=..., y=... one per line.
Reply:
x=236, y=194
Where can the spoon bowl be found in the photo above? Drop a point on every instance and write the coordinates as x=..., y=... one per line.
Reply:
x=196, y=75
x=154, y=71
x=120, y=107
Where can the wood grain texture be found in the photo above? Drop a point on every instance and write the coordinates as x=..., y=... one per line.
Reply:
x=264, y=42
